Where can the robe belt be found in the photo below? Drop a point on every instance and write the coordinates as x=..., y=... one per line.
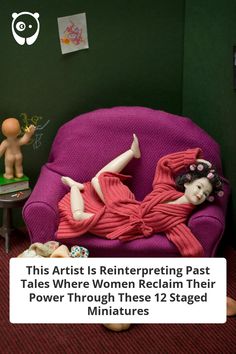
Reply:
x=135, y=222
x=140, y=224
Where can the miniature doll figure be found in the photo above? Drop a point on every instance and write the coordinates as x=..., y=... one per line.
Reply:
x=11, y=146
x=107, y=208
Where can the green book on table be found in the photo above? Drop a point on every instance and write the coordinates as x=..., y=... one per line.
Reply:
x=13, y=185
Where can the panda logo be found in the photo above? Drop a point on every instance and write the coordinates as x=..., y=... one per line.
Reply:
x=25, y=27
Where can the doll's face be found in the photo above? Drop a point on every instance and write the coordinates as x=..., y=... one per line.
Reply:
x=198, y=190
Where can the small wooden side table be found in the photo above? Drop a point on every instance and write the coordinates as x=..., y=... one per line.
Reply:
x=7, y=203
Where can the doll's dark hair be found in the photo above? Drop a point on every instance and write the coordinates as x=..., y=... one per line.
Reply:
x=200, y=170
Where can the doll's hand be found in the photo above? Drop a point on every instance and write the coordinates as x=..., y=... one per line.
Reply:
x=31, y=129
x=204, y=161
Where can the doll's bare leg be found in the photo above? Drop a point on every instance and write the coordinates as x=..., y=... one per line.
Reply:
x=19, y=167
x=9, y=171
x=118, y=164
x=76, y=199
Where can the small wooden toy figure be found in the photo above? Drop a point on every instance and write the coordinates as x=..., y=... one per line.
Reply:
x=11, y=146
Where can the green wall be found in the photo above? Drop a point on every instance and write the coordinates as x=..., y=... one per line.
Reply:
x=208, y=94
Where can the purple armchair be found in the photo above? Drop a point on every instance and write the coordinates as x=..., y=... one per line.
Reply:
x=85, y=144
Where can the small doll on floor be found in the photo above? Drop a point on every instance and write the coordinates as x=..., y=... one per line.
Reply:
x=107, y=208
x=11, y=146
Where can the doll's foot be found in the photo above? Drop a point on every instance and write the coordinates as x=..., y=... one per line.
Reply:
x=8, y=176
x=135, y=147
x=61, y=252
x=117, y=327
x=81, y=215
x=231, y=306
x=70, y=182
x=19, y=175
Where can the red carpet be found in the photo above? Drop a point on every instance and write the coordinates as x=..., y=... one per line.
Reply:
x=148, y=339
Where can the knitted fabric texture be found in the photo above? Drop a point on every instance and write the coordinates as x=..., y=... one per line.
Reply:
x=123, y=217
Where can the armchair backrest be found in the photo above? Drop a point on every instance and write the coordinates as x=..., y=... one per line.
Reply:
x=88, y=142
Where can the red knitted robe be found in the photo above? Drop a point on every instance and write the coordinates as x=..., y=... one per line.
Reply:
x=124, y=218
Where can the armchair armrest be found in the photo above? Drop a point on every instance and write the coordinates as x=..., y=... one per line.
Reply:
x=208, y=223
x=40, y=212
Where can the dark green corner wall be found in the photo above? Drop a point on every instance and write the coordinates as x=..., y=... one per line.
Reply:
x=208, y=94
